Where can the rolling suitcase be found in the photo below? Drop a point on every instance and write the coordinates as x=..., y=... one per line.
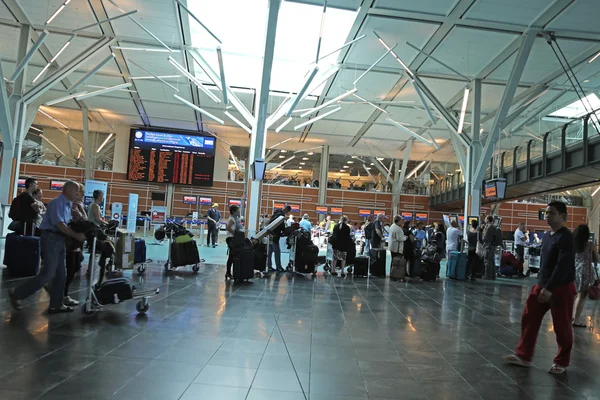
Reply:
x=398, y=271
x=413, y=268
x=456, y=267
x=361, y=266
x=22, y=255
x=430, y=270
x=306, y=262
x=139, y=255
x=243, y=265
x=351, y=254
x=378, y=258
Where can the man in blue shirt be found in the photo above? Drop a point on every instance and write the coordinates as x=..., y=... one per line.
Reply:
x=305, y=223
x=54, y=230
x=213, y=218
x=420, y=236
x=555, y=291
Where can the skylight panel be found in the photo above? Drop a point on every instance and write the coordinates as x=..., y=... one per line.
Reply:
x=577, y=108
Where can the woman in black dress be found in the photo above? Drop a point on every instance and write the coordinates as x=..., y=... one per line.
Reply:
x=341, y=242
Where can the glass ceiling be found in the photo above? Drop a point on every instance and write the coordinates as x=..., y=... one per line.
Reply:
x=241, y=26
x=577, y=108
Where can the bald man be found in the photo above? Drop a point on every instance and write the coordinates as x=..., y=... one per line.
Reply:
x=54, y=230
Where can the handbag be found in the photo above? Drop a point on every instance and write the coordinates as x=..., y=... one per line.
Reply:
x=479, y=249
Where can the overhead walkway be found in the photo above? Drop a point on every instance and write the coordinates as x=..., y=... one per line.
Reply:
x=565, y=158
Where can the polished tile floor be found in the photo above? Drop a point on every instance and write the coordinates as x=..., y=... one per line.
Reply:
x=288, y=338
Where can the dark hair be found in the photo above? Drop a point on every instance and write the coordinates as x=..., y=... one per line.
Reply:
x=97, y=193
x=560, y=207
x=233, y=208
x=29, y=182
x=489, y=218
x=441, y=227
x=406, y=224
x=474, y=224
x=397, y=219
x=581, y=236
x=287, y=208
x=419, y=224
x=454, y=224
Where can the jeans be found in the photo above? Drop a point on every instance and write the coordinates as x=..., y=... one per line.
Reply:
x=74, y=259
x=274, y=248
x=53, y=249
x=212, y=233
x=229, y=255
x=561, y=307
x=520, y=250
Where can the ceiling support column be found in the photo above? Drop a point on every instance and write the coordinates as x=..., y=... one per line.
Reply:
x=89, y=158
x=323, y=175
x=400, y=176
x=258, y=138
x=473, y=186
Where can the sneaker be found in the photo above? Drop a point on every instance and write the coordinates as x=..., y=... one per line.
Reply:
x=68, y=301
x=14, y=301
x=214, y=245
x=62, y=309
x=516, y=360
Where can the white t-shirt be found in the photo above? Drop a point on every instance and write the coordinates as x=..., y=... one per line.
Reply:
x=452, y=235
x=519, y=238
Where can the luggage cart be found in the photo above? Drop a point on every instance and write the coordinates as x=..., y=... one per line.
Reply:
x=92, y=304
x=328, y=258
x=169, y=264
x=291, y=242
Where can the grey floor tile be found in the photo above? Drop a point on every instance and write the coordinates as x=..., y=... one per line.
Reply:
x=285, y=381
x=260, y=394
x=226, y=376
x=209, y=392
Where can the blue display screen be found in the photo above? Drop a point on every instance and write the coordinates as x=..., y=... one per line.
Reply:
x=174, y=141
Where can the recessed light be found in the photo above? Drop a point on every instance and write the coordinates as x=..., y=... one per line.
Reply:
x=368, y=167
x=305, y=158
x=586, y=81
x=349, y=162
x=302, y=163
x=281, y=156
x=380, y=158
x=372, y=164
x=284, y=151
x=342, y=170
x=310, y=154
x=299, y=167
x=346, y=166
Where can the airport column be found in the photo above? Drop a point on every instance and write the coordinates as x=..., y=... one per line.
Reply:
x=87, y=150
x=472, y=185
x=259, y=130
x=323, y=174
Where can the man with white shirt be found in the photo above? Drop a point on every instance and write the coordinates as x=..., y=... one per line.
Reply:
x=520, y=242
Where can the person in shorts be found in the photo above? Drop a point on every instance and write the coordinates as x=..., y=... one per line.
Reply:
x=341, y=241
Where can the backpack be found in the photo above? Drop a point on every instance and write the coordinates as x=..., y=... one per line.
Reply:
x=14, y=212
x=369, y=230
x=498, y=238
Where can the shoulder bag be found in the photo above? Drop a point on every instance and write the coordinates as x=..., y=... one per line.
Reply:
x=479, y=249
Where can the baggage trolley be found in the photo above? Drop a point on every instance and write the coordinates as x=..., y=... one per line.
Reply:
x=169, y=264
x=292, y=252
x=92, y=304
x=328, y=258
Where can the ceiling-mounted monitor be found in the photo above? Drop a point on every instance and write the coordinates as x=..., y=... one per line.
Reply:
x=168, y=156
x=495, y=189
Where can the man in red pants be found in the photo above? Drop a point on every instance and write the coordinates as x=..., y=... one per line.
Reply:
x=555, y=291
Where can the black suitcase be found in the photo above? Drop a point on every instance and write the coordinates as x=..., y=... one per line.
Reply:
x=414, y=266
x=22, y=255
x=243, y=265
x=260, y=257
x=361, y=266
x=305, y=263
x=351, y=254
x=311, y=254
x=114, y=291
x=430, y=271
x=378, y=258
x=184, y=254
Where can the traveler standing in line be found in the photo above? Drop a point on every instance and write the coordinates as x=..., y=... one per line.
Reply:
x=213, y=217
x=233, y=225
x=367, y=235
x=94, y=213
x=489, y=240
x=555, y=291
x=520, y=242
x=453, y=235
x=409, y=246
x=305, y=223
x=420, y=236
x=27, y=209
x=585, y=258
x=440, y=239
x=54, y=229
x=340, y=242
x=377, y=239
x=276, y=234
x=397, y=238
x=74, y=254
x=473, y=260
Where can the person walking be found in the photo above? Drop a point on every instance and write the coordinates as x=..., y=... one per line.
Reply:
x=473, y=259
x=585, y=259
x=555, y=291
x=520, y=242
x=340, y=242
x=213, y=217
x=233, y=225
x=53, y=229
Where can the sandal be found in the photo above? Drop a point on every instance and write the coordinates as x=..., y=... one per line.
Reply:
x=516, y=360
x=556, y=369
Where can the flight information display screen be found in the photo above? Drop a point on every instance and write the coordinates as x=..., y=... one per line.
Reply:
x=171, y=157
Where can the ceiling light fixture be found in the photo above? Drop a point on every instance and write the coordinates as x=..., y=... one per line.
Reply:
x=283, y=151
x=302, y=163
x=280, y=127
x=237, y=121
x=62, y=7
x=310, y=153
x=36, y=129
x=346, y=166
x=342, y=170
x=64, y=98
x=414, y=171
x=29, y=56
x=374, y=64
x=411, y=133
x=193, y=79
x=330, y=102
x=305, y=158
x=104, y=91
x=200, y=110
x=147, y=49
x=52, y=118
x=349, y=162
x=317, y=118
x=51, y=144
x=141, y=78
x=395, y=56
x=302, y=91
x=155, y=76
x=287, y=160
x=282, y=142
x=463, y=111
x=593, y=58
x=53, y=59
x=345, y=45
x=281, y=156
x=369, y=103
x=596, y=191
x=104, y=20
x=105, y=142
x=106, y=87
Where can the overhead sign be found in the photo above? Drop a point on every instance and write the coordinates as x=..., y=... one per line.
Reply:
x=21, y=182
x=90, y=187
x=407, y=216
x=473, y=218
x=322, y=210
x=336, y=211
x=377, y=212
x=205, y=201
x=57, y=185
x=278, y=205
x=190, y=199
x=364, y=213
x=422, y=217
x=235, y=202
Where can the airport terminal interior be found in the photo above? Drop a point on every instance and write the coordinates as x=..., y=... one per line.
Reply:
x=299, y=199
